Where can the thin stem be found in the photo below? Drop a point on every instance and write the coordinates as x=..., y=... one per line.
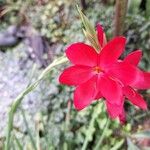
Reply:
x=85, y=144
x=66, y=125
x=95, y=114
x=19, y=146
x=141, y=116
x=83, y=4
x=97, y=147
x=120, y=13
x=28, y=129
x=67, y=119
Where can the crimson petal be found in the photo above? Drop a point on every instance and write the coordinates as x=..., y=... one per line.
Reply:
x=134, y=57
x=114, y=110
x=82, y=54
x=143, y=81
x=110, y=90
x=134, y=97
x=75, y=75
x=112, y=51
x=98, y=96
x=125, y=72
x=101, y=35
x=85, y=93
x=122, y=116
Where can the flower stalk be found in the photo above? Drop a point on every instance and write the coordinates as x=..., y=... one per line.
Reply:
x=120, y=13
x=97, y=147
x=90, y=130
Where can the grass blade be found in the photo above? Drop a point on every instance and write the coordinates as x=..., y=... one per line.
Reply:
x=28, y=129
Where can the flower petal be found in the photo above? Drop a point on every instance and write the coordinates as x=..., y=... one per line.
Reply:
x=85, y=93
x=110, y=90
x=124, y=72
x=143, y=81
x=122, y=116
x=112, y=51
x=134, y=57
x=101, y=35
x=114, y=110
x=75, y=75
x=82, y=54
x=98, y=96
x=134, y=97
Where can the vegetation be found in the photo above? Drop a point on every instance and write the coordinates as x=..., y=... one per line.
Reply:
x=33, y=38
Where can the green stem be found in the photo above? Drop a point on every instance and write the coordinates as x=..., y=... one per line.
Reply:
x=66, y=125
x=28, y=129
x=20, y=97
x=95, y=114
x=19, y=146
x=85, y=144
x=120, y=14
x=97, y=147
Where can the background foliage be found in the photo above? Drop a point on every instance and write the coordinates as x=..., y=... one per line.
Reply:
x=46, y=119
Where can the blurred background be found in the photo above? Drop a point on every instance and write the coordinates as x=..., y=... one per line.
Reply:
x=35, y=32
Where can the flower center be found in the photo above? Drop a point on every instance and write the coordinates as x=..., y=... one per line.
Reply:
x=97, y=69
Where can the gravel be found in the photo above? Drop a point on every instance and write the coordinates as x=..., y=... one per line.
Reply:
x=16, y=70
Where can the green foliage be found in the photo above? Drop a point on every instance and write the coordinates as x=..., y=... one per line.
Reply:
x=143, y=134
x=131, y=145
x=137, y=31
x=59, y=126
x=134, y=6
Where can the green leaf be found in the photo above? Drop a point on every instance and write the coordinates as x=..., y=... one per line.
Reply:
x=18, y=143
x=118, y=145
x=131, y=145
x=87, y=24
x=28, y=129
x=143, y=134
x=89, y=31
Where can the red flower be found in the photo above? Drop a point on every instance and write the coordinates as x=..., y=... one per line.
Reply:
x=98, y=75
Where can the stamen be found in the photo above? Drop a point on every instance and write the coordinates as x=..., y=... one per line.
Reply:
x=97, y=69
